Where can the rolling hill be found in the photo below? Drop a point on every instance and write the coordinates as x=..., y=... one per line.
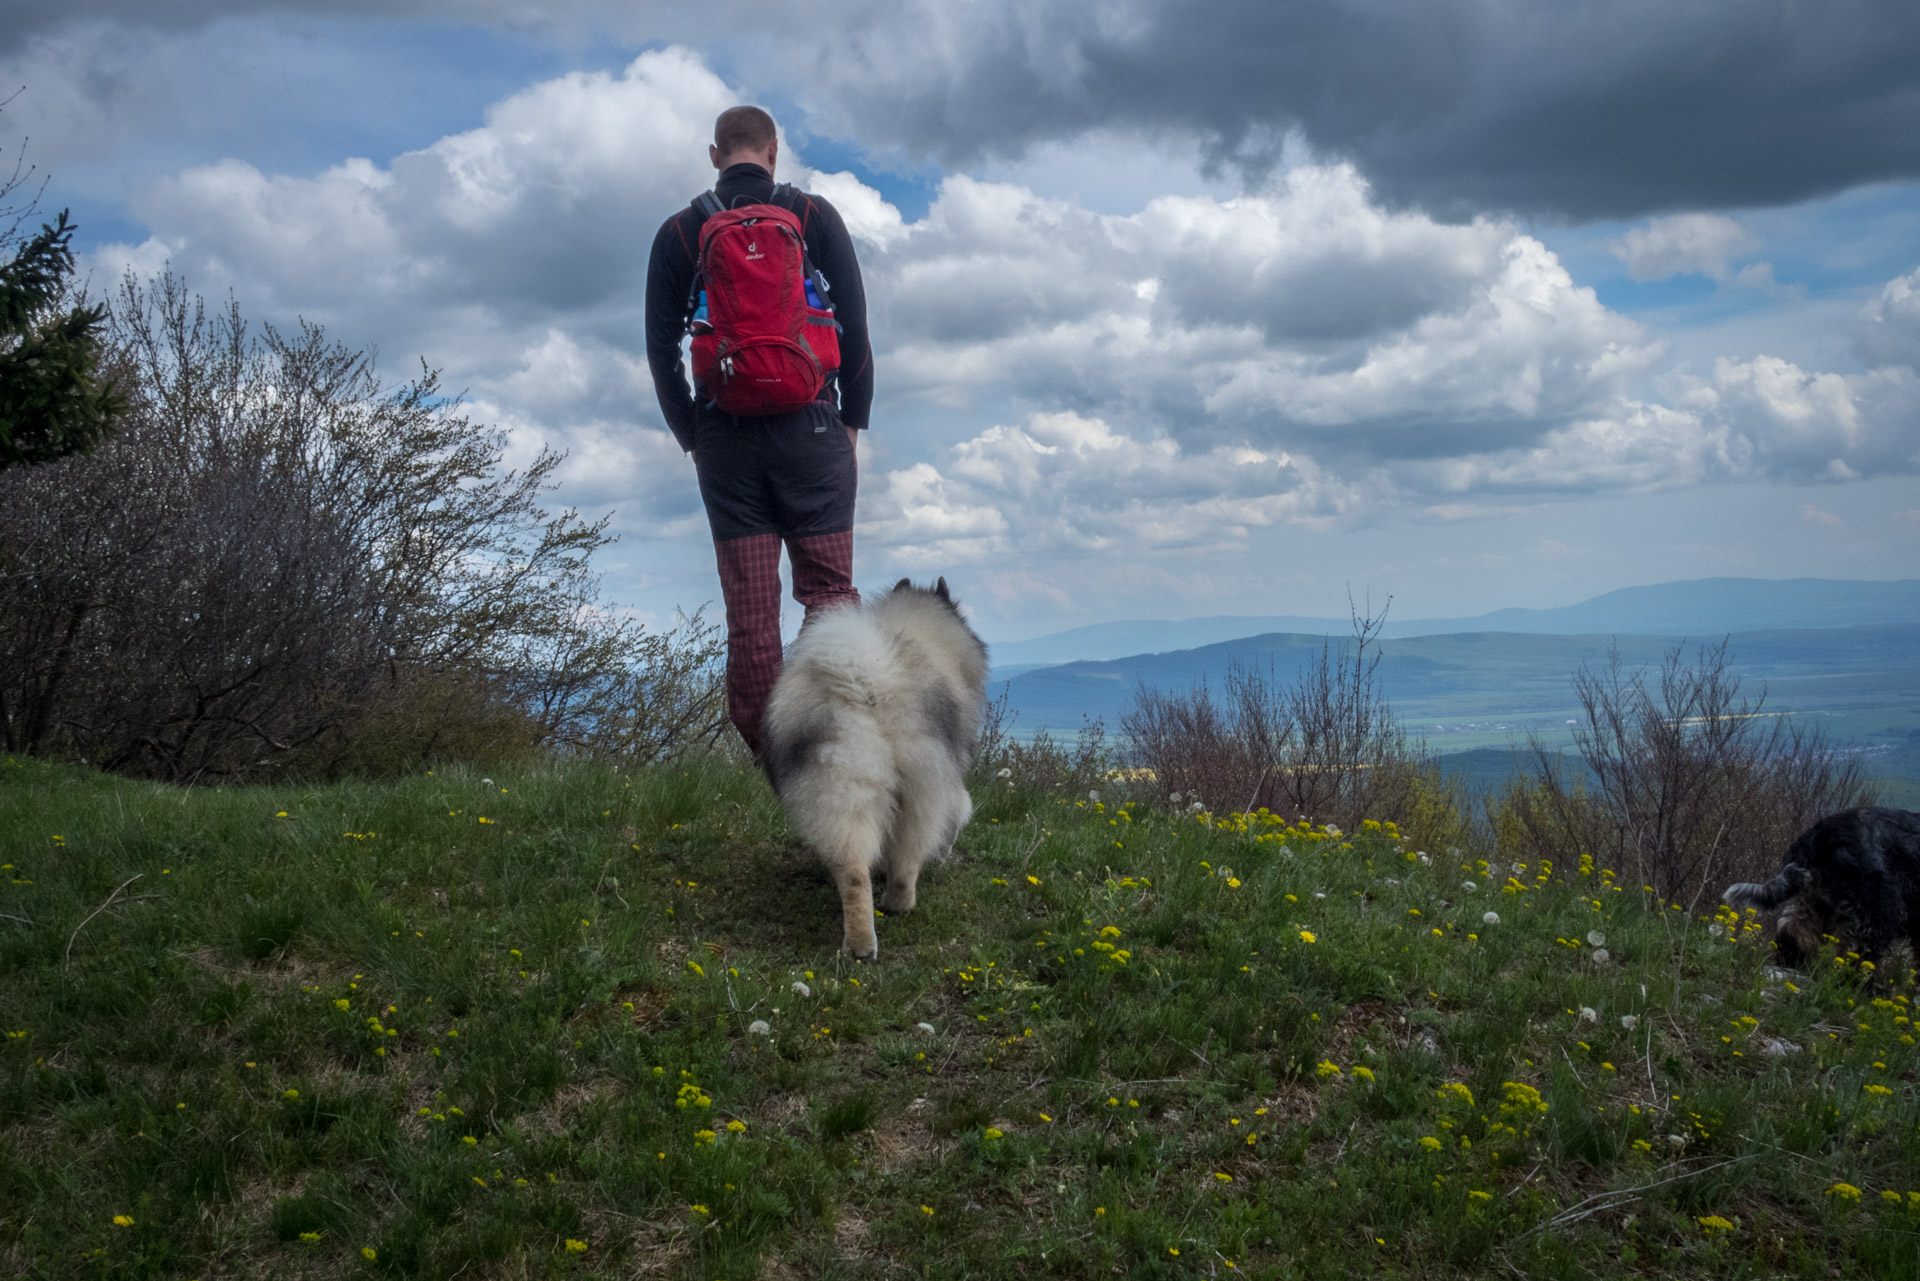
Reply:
x=1707, y=607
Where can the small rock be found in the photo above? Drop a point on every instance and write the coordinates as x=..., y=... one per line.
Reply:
x=1775, y=1046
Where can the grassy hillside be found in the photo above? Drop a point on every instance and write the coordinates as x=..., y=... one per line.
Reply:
x=593, y=1025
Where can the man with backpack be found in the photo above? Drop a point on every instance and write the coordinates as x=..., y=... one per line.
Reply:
x=764, y=278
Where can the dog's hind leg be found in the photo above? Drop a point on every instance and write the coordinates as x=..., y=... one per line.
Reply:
x=929, y=817
x=848, y=837
x=857, y=936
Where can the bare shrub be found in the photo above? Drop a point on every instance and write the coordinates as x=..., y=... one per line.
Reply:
x=1325, y=746
x=1040, y=762
x=282, y=562
x=1694, y=785
x=1223, y=754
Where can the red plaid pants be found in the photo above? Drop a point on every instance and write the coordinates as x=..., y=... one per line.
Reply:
x=750, y=583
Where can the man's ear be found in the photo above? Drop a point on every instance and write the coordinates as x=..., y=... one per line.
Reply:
x=773, y=154
x=713, y=154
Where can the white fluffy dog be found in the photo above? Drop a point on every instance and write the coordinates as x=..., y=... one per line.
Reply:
x=867, y=738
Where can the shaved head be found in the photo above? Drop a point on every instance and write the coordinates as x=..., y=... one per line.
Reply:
x=742, y=129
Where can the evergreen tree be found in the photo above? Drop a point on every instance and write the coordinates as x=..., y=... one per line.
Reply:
x=55, y=399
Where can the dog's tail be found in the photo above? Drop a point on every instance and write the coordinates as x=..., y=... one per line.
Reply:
x=1791, y=880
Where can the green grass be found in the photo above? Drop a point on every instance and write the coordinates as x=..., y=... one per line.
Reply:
x=354, y=1030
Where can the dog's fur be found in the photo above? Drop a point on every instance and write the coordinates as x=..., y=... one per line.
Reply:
x=1854, y=875
x=868, y=737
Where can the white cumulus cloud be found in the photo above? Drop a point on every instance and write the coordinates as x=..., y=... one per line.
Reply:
x=1159, y=383
x=1683, y=244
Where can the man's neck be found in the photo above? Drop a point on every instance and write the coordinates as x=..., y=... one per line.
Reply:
x=744, y=179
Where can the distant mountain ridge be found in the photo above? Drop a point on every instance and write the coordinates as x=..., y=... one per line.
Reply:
x=1699, y=608
x=1473, y=689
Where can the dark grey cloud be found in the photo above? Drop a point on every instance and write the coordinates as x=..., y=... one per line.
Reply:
x=1559, y=109
x=1575, y=110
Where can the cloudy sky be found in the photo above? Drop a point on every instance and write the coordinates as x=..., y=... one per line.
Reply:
x=1179, y=308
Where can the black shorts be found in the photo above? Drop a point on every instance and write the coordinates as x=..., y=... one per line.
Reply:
x=787, y=474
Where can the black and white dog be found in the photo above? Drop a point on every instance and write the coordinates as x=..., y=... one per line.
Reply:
x=1854, y=875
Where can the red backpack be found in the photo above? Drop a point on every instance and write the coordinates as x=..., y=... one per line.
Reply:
x=764, y=338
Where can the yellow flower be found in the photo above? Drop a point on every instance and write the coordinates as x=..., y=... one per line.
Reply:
x=1714, y=1223
x=1223, y=1177
x=1845, y=1191
x=311, y=1238
x=368, y=1253
x=699, y=1209
x=123, y=1220
x=1306, y=936
x=1430, y=1143
x=992, y=1133
x=576, y=1247
x=737, y=1127
x=1363, y=1074
x=1328, y=1068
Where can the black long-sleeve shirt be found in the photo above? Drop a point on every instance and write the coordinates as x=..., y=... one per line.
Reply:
x=670, y=273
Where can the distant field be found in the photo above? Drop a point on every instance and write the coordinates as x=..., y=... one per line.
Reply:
x=1491, y=690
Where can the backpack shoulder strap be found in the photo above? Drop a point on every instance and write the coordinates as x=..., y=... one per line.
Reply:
x=707, y=204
